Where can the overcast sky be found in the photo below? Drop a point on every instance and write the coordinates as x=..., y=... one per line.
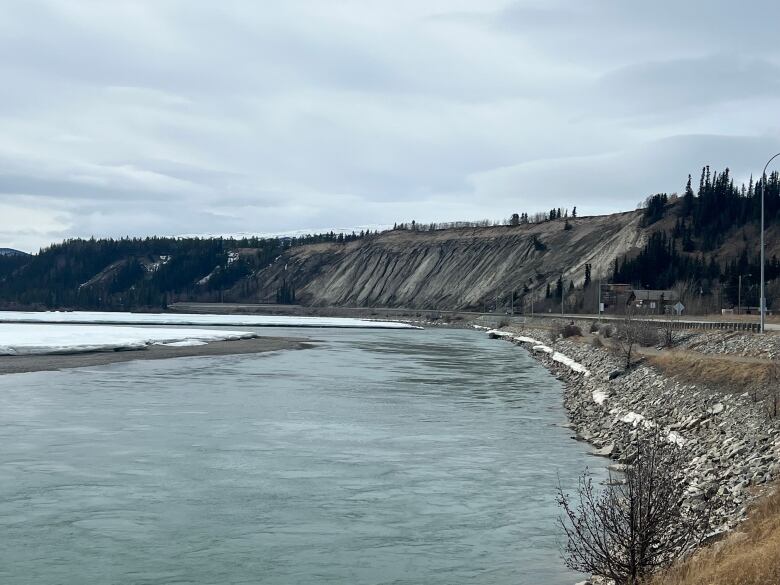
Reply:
x=167, y=117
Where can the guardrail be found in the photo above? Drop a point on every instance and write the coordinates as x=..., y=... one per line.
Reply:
x=674, y=322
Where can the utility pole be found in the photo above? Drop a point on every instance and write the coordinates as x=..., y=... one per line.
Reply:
x=563, y=286
x=739, y=296
x=763, y=191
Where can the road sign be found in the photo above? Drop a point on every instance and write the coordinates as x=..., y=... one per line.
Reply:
x=679, y=308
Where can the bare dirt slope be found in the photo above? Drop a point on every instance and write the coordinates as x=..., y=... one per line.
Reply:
x=454, y=268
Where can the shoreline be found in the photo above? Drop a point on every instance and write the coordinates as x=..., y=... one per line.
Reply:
x=734, y=447
x=19, y=364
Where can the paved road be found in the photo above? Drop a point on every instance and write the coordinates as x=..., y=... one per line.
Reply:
x=297, y=309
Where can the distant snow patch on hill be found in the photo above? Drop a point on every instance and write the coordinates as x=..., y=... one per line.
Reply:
x=12, y=252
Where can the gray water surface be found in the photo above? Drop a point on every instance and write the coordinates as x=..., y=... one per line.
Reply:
x=425, y=457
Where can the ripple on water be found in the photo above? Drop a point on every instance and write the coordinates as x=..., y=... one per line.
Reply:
x=377, y=457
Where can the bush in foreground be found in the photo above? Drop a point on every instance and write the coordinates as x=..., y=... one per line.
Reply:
x=634, y=527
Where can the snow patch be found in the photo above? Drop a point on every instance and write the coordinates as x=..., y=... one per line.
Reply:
x=599, y=396
x=500, y=334
x=27, y=339
x=570, y=363
x=185, y=343
x=675, y=438
x=634, y=419
x=523, y=339
x=96, y=317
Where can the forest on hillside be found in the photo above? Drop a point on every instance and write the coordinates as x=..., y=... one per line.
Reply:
x=149, y=272
x=706, y=240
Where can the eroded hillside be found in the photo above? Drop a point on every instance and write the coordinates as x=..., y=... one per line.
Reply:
x=456, y=268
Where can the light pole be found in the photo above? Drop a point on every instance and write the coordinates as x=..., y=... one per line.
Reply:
x=762, y=301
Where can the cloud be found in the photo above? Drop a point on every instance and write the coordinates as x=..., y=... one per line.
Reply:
x=618, y=180
x=142, y=117
x=689, y=83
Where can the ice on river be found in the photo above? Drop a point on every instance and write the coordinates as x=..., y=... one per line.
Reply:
x=29, y=338
x=88, y=317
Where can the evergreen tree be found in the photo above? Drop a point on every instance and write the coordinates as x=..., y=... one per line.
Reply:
x=687, y=199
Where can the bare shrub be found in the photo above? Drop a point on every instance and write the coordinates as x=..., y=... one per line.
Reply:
x=571, y=330
x=632, y=332
x=596, y=342
x=648, y=336
x=594, y=327
x=634, y=527
x=503, y=323
x=606, y=331
x=669, y=332
x=567, y=330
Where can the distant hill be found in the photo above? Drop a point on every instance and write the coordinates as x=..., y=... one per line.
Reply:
x=702, y=243
x=12, y=252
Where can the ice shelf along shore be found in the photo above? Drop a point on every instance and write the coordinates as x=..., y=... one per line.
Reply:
x=29, y=338
x=96, y=317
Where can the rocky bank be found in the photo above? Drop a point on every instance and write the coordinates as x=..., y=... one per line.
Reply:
x=731, y=444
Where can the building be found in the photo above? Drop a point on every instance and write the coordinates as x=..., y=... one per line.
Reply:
x=653, y=301
x=614, y=297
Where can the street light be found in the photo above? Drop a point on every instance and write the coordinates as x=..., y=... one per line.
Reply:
x=762, y=300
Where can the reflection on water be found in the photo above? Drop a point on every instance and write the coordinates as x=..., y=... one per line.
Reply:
x=376, y=457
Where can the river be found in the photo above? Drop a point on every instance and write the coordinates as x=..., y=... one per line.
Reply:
x=378, y=457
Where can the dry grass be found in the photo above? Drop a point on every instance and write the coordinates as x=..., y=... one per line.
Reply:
x=748, y=557
x=723, y=373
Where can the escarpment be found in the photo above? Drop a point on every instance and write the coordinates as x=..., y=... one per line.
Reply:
x=451, y=269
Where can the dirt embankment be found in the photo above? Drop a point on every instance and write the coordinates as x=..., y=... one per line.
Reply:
x=453, y=268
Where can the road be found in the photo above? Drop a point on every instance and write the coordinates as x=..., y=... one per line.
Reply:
x=684, y=322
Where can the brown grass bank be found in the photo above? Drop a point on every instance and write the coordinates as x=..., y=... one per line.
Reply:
x=750, y=556
x=733, y=374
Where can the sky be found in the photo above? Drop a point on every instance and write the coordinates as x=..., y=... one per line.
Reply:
x=175, y=117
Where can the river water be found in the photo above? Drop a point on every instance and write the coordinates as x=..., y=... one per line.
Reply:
x=378, y=457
